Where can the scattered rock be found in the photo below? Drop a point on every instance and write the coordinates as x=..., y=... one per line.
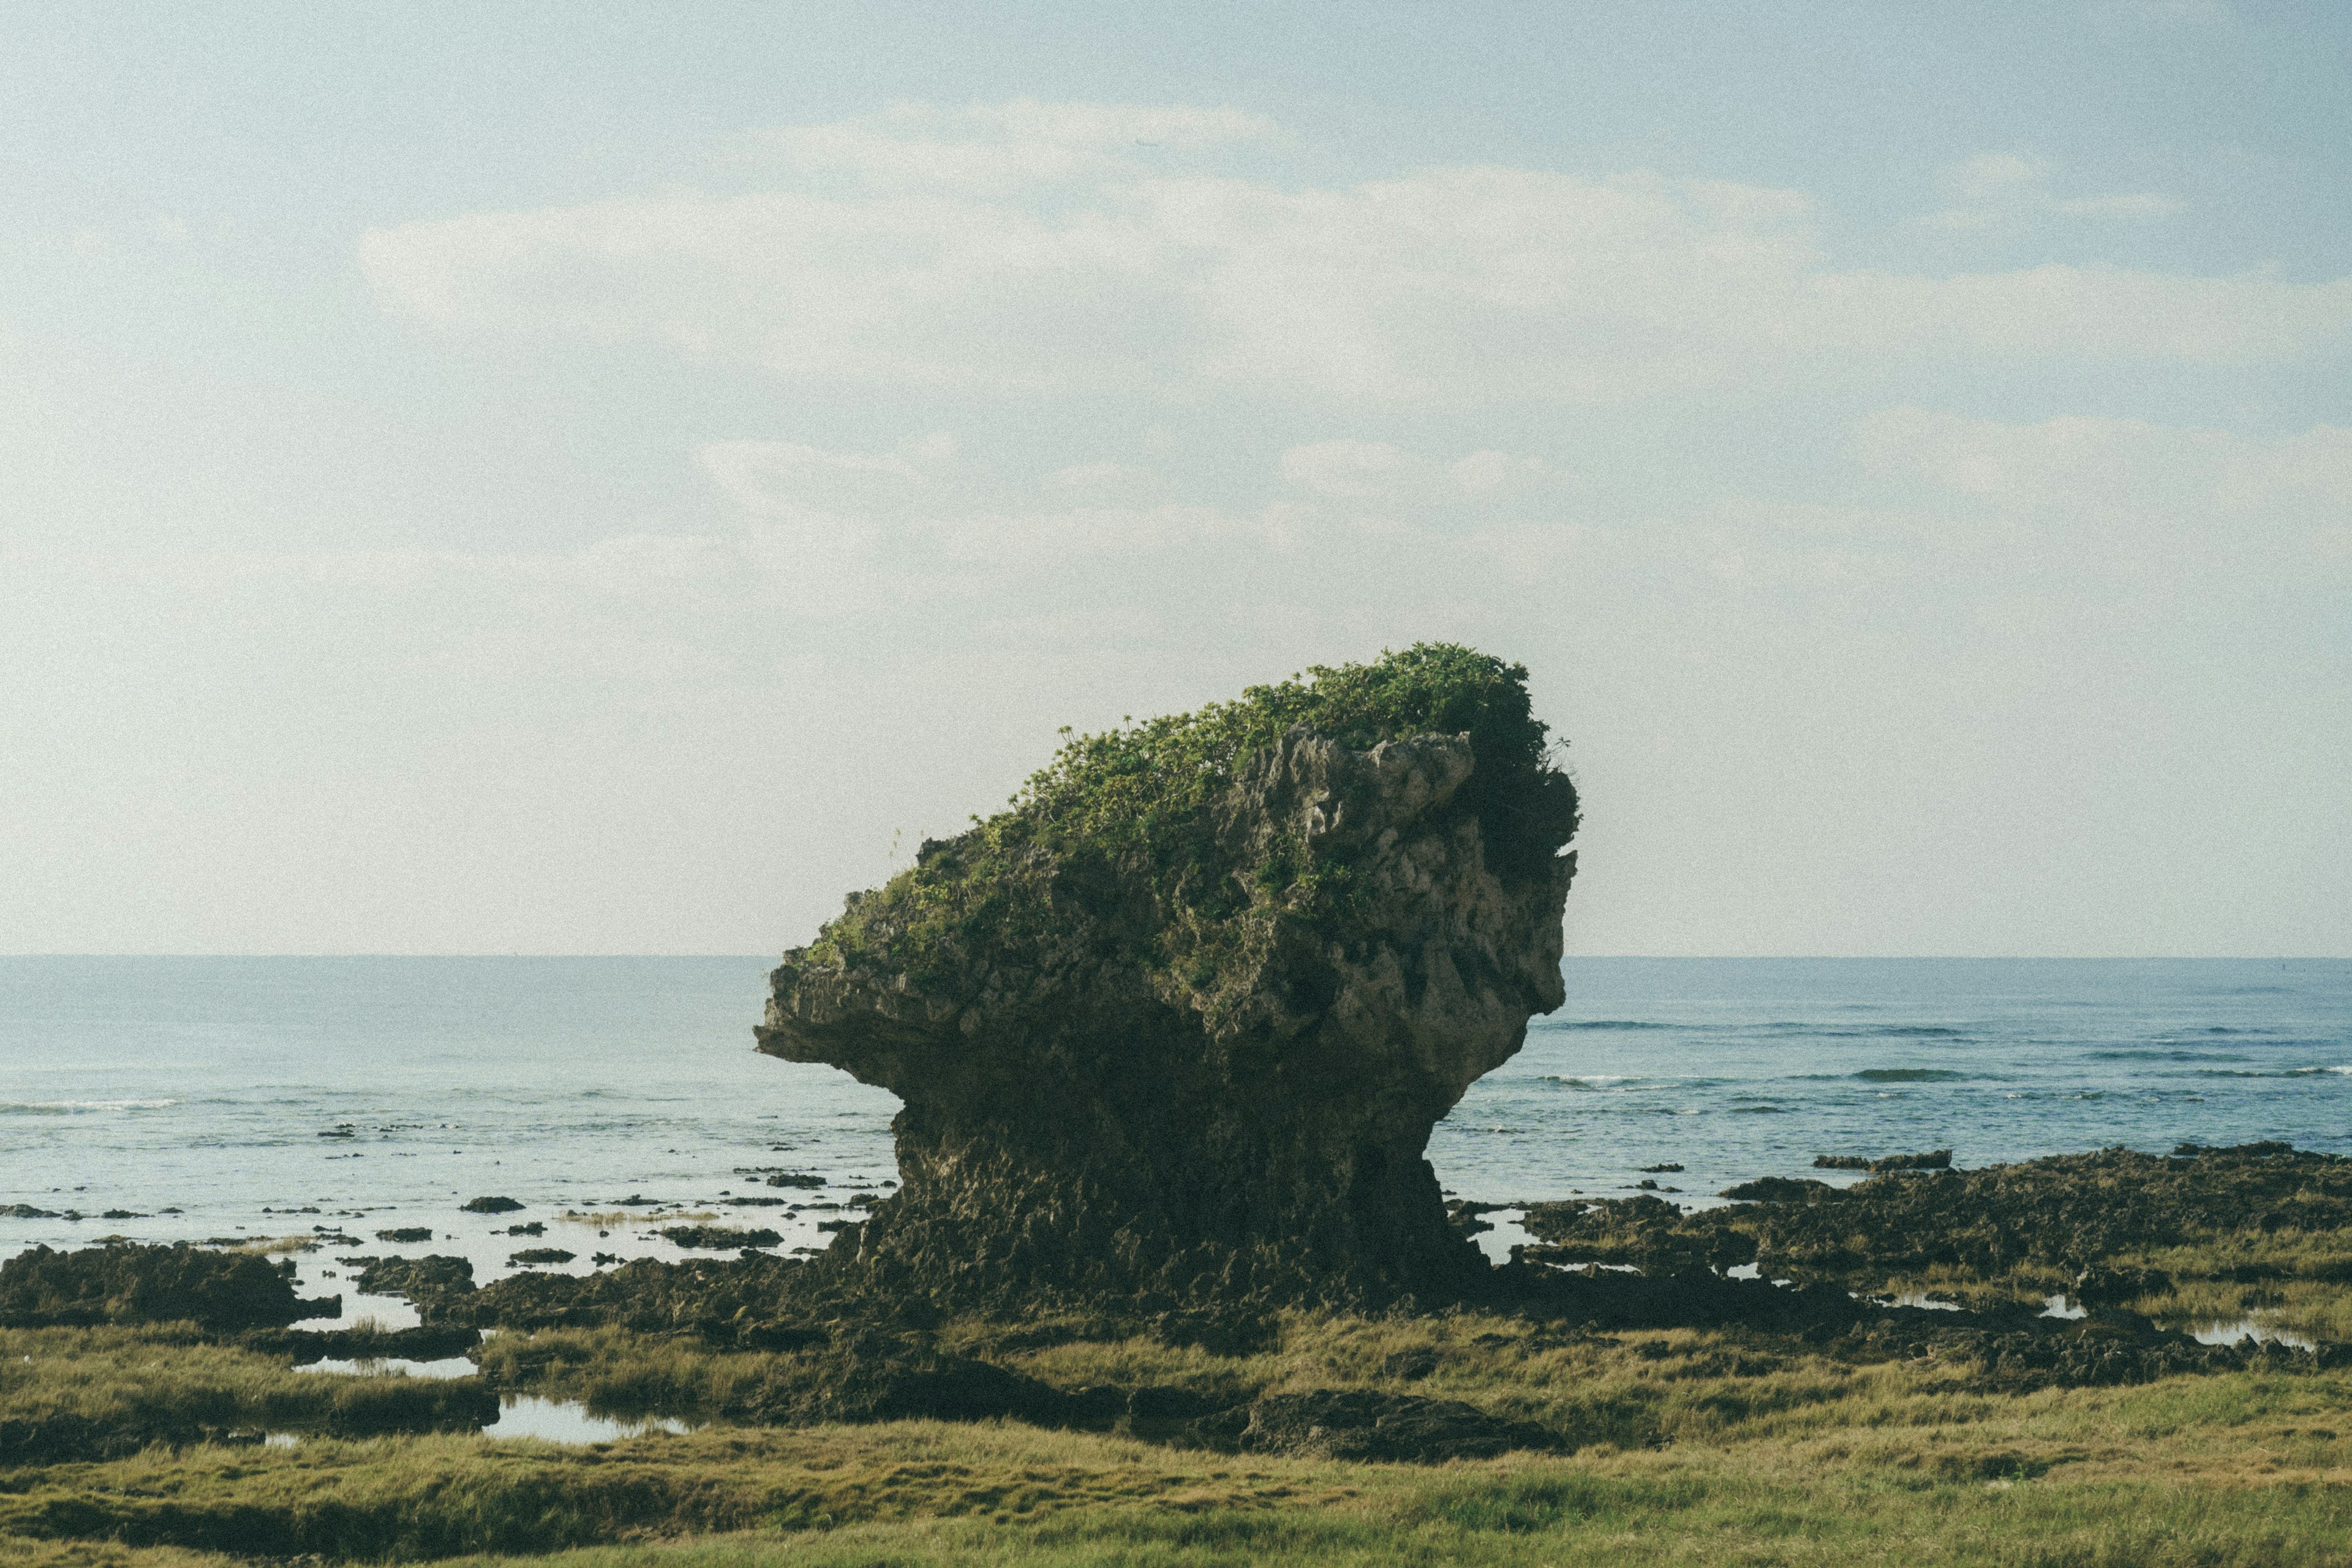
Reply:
x=643, y=1294
x=489, y=1205
x=1661, y=1170
x=406, y=1233
x=1939, y=1159
x=2064, y=1213
x=1777, y=1190
x=423, y=1280
x=536, y=1227
x=2106, y=1348
x=717, y=1237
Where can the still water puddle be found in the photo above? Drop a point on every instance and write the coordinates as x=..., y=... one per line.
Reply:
x=2230, y=1332
x=394, y=1366
x=567, y=1421
x=527, y=1415
x=1920, y=1298
x=1505, y=1234
x=520, y=1415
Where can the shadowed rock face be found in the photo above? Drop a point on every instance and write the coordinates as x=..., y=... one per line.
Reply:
x=1086, y=1118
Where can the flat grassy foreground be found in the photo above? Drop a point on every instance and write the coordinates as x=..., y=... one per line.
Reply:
x=1699, y=1448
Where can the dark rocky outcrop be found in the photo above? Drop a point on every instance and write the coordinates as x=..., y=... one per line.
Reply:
x=1366, y=1424
x=2063, y=1214
x=718, y=1238
x=489, y=1205
x=1935, y=1160
x=870, y=1375
x=729, y=1302
x=2018, y=1352
x=125, y=1283
x=420, y=1280
x=1177, y=1025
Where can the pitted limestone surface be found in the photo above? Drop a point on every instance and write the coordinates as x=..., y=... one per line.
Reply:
x=1107, y=1093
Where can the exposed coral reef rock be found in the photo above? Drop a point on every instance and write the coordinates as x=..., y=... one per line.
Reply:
x=123, y=1282
x=1202, y=1060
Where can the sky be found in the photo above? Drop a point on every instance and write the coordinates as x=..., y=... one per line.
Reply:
x=582, y=477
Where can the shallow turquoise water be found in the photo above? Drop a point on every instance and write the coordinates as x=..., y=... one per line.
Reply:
x=381, y=1092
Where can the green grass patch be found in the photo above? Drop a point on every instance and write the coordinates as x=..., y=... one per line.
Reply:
x=89, y=1393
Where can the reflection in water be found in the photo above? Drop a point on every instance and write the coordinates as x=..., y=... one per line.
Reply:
x=1921, y=1298
x=567, y=1421
x=394, y=1366
x=1508, y=1233
x=2229, y=1333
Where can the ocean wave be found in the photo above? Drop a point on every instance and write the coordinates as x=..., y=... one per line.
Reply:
x=1601, y=1082
x=2273, y=1072
x=1603, y=1024
x=1909, y=1075
x=2157, y=1057
x=77, y=1107
x=1856, y=1031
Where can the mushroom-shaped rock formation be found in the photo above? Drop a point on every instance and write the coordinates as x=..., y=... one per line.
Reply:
x=1175, y=1027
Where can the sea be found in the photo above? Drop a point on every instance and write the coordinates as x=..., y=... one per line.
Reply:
x=313, y=1104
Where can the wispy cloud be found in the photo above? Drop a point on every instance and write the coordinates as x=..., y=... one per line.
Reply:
x=1444, y=285
x=1995, y=188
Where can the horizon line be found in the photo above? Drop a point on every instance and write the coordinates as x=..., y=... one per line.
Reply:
x=1646, y=957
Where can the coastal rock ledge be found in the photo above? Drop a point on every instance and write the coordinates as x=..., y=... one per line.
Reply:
x=1174, y=1028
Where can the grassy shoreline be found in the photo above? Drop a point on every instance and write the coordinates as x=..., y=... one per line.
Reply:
x=1687, y=1445
x=2243, y=1468
x=1820, y=1431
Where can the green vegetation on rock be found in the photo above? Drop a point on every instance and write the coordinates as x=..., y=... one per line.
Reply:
x=1133, y=811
